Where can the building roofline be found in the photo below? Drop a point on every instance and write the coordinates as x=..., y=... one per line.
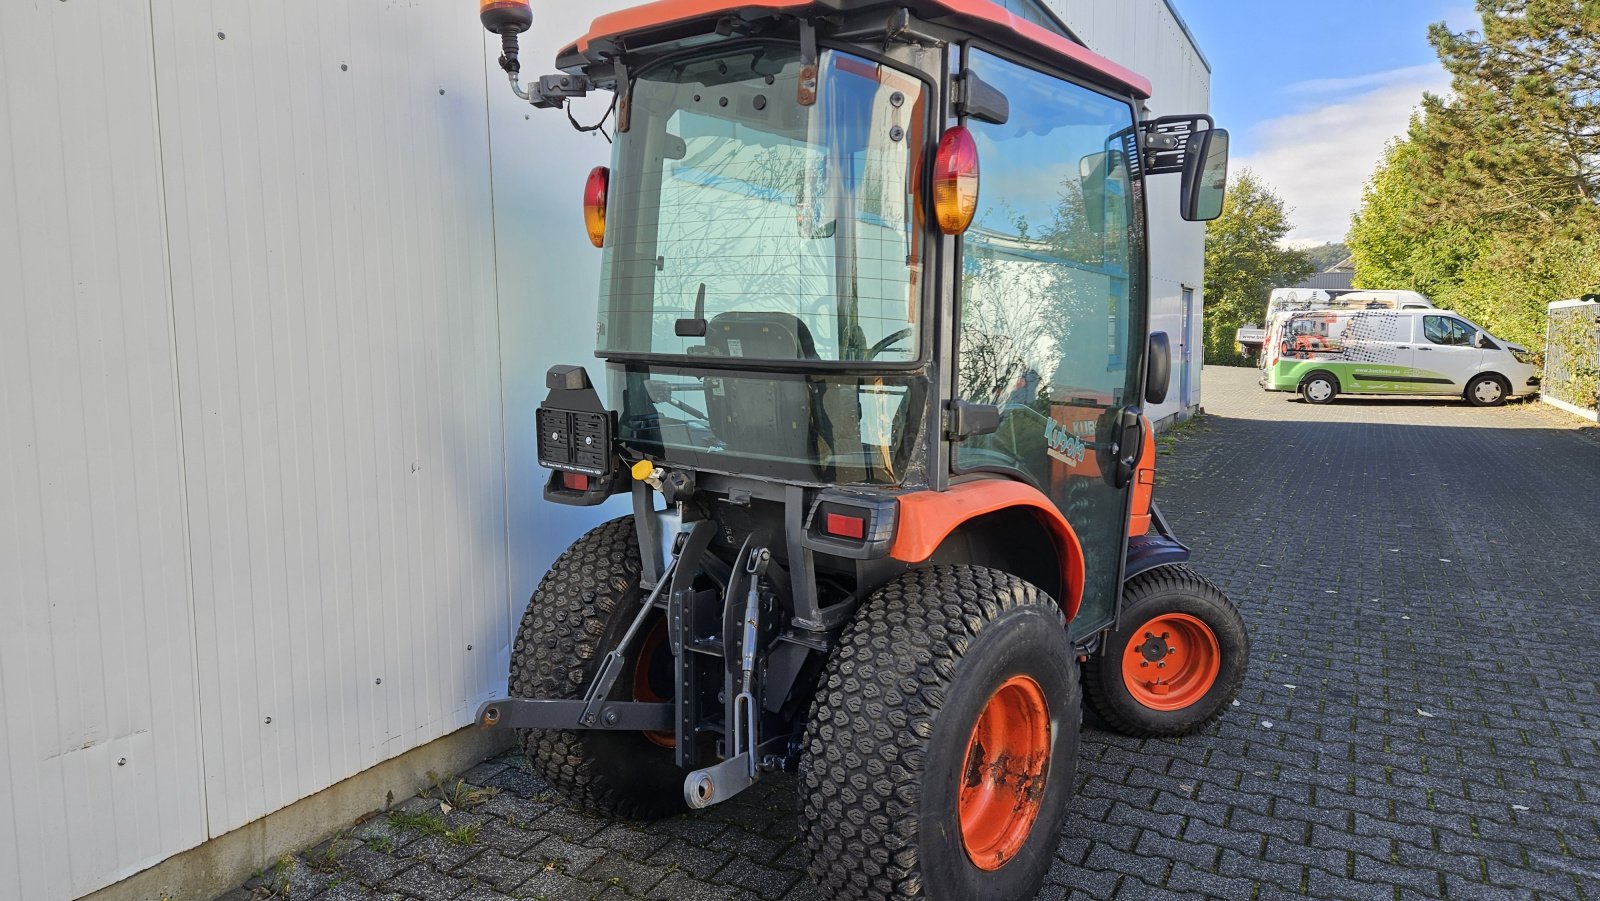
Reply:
x=1178, y=17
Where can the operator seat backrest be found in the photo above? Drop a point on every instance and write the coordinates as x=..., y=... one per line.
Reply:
x=774, y=415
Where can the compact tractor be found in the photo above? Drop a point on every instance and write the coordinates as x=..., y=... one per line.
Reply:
x=874, y=333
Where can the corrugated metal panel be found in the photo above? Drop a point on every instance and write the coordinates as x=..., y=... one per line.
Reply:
x=99, y=735
x=333, y=275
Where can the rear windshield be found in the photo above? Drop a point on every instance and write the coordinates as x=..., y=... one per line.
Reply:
x=745, y=224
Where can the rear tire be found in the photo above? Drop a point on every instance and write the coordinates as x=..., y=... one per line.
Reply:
x=1487, y=391
x=1171, y=615
x=578, y=614
x=942, y=745
x=1319, y=388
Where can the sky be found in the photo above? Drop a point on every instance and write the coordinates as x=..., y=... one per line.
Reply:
x=1312, y=91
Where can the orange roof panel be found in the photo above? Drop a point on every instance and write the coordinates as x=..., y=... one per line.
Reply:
x=1033, y=39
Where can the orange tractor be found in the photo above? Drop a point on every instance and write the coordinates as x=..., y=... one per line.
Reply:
x=874, y=329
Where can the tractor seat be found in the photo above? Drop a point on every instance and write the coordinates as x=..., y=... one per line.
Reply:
x=761, y=336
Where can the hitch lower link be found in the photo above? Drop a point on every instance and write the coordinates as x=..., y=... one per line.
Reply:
x=594, y=711
x=703, y=787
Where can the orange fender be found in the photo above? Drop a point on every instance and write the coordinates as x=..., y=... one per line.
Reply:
x=1144, y=485
x=928, y=517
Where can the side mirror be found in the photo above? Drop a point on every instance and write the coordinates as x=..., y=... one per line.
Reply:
x=1158, y=369
x=1205, y=175
x=1482, y=342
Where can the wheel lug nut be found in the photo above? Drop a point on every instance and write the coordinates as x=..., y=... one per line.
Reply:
x=1161, y=665
x=1172, y=650
x=1144, y=663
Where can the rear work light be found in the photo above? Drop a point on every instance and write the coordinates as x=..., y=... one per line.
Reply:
x=595, y=195
x=955, y=181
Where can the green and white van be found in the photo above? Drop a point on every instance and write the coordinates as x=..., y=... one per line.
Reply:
x=1324, y=353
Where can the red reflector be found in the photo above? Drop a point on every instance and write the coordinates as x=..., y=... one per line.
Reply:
x=841, y=526
x=574, y=481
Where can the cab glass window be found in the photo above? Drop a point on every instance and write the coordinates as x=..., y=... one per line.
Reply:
x=1447, y=331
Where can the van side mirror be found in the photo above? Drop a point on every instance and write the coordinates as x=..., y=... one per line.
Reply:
x=1483, y=342
x=1158, y=369
x=1205, y=175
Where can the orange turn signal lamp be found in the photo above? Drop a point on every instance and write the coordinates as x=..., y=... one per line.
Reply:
x=955, y=181
x=596, y=194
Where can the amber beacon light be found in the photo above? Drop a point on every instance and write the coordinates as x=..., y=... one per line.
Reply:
x=507, y=18
x=595, y=196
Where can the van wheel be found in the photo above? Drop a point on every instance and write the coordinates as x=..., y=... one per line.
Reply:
x=1177, y=660
x=1487, y=391
x=943, y=741
x=1319, y=388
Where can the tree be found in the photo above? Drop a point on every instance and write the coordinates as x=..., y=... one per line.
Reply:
x=1490, y=204
x=1326, y=256
x=1244, y=262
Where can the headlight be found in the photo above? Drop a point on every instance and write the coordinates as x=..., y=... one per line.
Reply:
x=1524, y=356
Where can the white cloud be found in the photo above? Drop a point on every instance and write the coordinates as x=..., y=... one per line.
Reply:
x=1318, y=159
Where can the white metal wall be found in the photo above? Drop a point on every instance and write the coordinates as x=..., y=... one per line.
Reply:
x=1145, y=36
x=268, y=505
x=279, y=282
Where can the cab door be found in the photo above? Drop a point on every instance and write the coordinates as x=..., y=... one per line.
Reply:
x=1445, y=352
x=1052, y=326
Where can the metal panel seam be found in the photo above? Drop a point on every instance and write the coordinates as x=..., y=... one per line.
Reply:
x=499, y=353
x=177, y=401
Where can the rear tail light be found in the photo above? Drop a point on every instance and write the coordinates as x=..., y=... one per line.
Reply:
x=955, y=181
x=595, y=196
x=840, y=525
x=574, y=481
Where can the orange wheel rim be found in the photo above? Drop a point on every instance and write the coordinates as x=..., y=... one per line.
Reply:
x=643, y=690
x=1003, y=779
x=1171, y=662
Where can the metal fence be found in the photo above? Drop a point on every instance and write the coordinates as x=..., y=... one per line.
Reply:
x=1572, y=356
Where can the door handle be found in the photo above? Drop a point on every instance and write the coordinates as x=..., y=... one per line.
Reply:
x=1403, y=346
x=1425, y=348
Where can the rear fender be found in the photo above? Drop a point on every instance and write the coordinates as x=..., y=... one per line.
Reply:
x=994, y=522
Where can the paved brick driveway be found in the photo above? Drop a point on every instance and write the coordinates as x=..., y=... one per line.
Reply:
x=1422, y=583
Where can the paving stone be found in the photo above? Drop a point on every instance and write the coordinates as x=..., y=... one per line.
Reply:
x=1428, y=747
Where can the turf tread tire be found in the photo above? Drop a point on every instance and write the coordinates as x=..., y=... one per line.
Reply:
x=582, y=605
x=1132, y=720
x=872, y=722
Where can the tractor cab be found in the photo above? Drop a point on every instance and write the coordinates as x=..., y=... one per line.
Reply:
x=872, y=324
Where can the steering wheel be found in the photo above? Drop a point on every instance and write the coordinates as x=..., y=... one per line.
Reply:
x=889, y=342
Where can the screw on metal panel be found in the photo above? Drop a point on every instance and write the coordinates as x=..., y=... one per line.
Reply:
x=896, y=133
x=344, y=67
x=611, y=717
x=221, y=36
x=897, y=99
x=441, y=92
x=469, y=647
x=378, y=681
x=121, y=761
x=269, y=720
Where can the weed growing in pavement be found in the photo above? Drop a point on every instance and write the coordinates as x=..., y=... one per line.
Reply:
x=455, y=793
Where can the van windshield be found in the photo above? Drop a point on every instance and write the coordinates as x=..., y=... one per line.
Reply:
x=794, y=222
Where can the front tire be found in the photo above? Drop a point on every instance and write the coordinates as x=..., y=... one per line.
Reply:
x=576, y=617
x=1175, y=662
x=1487, y=391
x=942, y=745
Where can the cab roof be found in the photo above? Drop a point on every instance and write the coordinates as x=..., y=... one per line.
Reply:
x=978, y=17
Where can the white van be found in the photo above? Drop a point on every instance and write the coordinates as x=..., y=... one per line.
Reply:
x=1324, y=353
x=1285, y=301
